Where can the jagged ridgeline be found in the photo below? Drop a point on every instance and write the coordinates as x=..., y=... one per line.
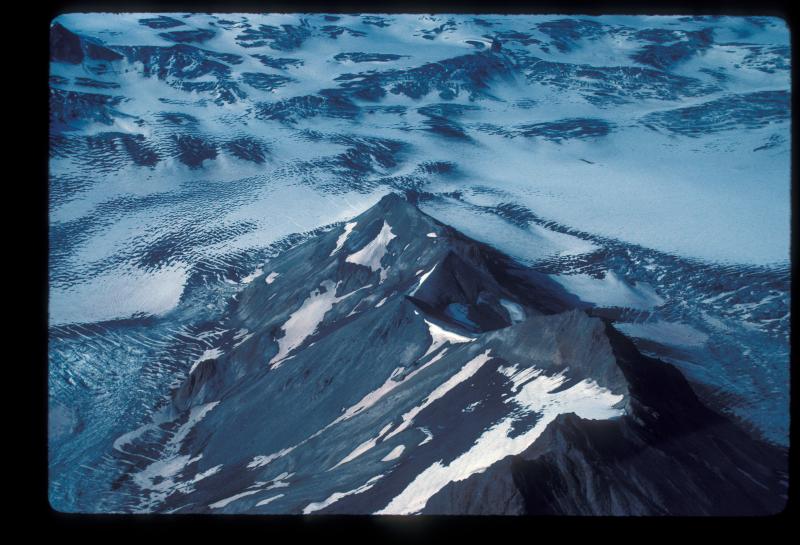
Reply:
x=394, y=365
x=359, y=263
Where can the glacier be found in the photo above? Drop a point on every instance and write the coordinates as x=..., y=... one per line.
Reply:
x=641, y=163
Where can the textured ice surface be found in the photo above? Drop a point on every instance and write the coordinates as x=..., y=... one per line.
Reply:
x=183, y=156
x=640, y=183
x=610, y=291
x=665, y=332
x=119, y=294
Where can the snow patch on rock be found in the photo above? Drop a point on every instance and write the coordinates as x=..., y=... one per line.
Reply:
x=348, y=228
x=586, y=399
x=371, y=255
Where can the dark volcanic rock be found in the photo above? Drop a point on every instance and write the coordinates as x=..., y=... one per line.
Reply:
x=285, y=38
x=162, y=21
x=188, y=36
x=742, y=111
x=380, y=350
x=491, y=492
x=328, y=103
x=66, y=46
x=606, y=86
x=265, y=82
x=334, y=31
x=469, y=73
x=88, y=82
x=566, y=129
x=664, y=56
x=182, y=64
x=279, y=63
x=248, y=149
x=441, y=119
x=193, y=150
x=566, y=33
x=71, y=106
x=367, y=57
x=669, y=455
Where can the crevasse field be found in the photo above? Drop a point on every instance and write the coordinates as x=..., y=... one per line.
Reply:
x=643, y=162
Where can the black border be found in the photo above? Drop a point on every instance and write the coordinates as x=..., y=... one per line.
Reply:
x=330, y=527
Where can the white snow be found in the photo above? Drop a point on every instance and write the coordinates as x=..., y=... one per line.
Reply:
x=586, y=399
x=271, y=277
x=118, y=294
x=262, y=460
x=268, y=500
x=610, y=291
x=222, y=503
x=394, y=454
x=515, y=311
x=343, y=237
x=469, y=369
x=159, y=476
x=241, y=337
x=252, y=276
x=304, y=321
x=381, y=302
x=208, y=354
x=427, y=364
x=336, y=496
x=371, y=398
x=371, y=255
x=671, y=333
x=363, y=447
x=440, y=336
x=187, y=487
x=519, y=377
x=527, y=244
x=279, y=482
x=131, y=436
x=196, y=414
x=471, y=407
x=428, y=436
x=422, y=279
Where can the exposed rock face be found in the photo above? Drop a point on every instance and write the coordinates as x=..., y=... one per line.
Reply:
x=641, y=164
x=669, y=456
x=396, y=366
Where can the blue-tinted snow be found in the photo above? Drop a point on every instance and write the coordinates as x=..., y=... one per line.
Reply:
x=186, y=149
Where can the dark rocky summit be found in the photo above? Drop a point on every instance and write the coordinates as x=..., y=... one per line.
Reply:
x=374, y=358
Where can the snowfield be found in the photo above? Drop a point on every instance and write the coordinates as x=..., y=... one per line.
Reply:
x=636, y=167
